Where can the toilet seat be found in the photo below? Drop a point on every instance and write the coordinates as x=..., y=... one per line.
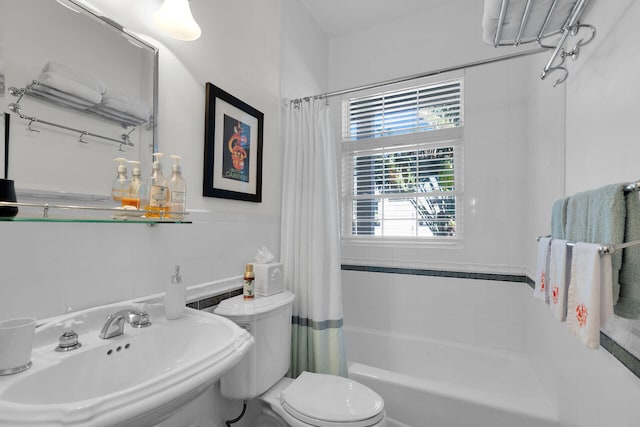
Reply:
x=327, y=401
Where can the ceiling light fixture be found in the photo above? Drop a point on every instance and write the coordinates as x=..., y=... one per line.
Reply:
x=174, y=17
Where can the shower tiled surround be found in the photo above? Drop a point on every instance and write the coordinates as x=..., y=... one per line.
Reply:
x=474, y=308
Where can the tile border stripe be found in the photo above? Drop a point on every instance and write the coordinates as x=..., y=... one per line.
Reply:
x=519, y=278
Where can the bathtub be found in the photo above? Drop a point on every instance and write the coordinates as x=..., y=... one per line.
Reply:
x=428, y=383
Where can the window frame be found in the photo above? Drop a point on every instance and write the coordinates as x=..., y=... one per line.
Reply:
x=453, y=137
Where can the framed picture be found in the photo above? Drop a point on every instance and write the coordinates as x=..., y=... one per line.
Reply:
x=232, y=147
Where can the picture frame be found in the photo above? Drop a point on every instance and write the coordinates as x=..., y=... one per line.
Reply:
x=232, y=147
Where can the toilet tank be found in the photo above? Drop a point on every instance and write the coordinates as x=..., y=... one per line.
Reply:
x=268, y=320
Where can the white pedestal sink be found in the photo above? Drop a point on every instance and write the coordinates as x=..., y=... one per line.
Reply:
x=136, y=379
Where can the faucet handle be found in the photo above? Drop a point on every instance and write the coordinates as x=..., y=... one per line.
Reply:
x=138, y=319
x=68, y=341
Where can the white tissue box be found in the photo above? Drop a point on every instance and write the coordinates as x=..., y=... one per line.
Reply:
x=269, y=279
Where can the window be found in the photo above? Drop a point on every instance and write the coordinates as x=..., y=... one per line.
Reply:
x=401, y=163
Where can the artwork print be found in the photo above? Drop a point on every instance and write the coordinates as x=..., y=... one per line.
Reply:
x=236, y=154
x=232, y=148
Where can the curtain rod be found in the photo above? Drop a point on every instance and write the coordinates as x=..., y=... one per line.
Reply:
x=428, y=73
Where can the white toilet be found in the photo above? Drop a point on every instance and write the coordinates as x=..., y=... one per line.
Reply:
x=311, y=399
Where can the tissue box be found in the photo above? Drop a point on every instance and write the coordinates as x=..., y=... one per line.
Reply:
x=269, y=279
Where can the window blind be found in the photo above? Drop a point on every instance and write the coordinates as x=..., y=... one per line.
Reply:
x=396, y=189
x=432, y=107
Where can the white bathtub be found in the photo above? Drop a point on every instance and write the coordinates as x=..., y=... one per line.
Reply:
x=438, y=384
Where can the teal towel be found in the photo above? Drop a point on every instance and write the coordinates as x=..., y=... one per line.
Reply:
x=559, y=218
x=598, y=216
x=629, y=302
x=577, y=216
x=607, y=218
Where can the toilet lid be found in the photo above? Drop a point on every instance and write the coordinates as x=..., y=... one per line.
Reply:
x=328, y=400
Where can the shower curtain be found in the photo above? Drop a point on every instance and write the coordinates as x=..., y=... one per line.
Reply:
x=310, y=240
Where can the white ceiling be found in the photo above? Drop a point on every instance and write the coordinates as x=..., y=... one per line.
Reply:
x=339, y=17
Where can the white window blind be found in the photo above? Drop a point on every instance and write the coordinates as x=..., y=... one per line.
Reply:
x=401, y=163
x=421, y=109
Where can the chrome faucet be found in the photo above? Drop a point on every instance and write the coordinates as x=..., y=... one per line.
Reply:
x=114, y=326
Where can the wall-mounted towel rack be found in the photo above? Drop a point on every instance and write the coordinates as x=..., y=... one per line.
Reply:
x=605, y=249
x=17, y=109
x=535, y=25
x=609, y=249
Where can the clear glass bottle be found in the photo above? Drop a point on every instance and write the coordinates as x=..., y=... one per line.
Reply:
x=177, y=191
x=132, y=193
x=119, y=185
x=158, y=202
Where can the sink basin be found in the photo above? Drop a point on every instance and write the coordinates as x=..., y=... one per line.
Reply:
x=136, y=379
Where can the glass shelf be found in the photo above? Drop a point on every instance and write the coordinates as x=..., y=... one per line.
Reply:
x=46, y=212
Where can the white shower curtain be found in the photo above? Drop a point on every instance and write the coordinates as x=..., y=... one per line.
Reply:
x=311, y=239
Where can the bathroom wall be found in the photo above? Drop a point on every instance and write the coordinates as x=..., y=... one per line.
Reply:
x=570, y=138
x=48, y=268
x=305, y=52
x=588, y=387
x=494, y=132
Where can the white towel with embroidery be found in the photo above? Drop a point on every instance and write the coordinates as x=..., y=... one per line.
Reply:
x=590, y=295
x=558, y=282
x=541, y=290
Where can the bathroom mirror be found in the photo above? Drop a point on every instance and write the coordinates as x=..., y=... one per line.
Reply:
x=80, y=90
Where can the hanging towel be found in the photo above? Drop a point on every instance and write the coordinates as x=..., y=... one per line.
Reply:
x=558, y=278
x=607, y=218
x=577, y=217
x=80, y=77
x=541, y=290
x=628, y=304
x=559, y=218
x=589, y=299
x=598, y=216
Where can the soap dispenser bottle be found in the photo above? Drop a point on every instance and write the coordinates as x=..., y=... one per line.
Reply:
x=177, y=191
x=132, y=194
x=158, y=191
x=119, y=185
x=174, y=298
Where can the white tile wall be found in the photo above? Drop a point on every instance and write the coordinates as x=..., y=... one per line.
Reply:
x=478, y=312
x=521, y=164
x=50, y=268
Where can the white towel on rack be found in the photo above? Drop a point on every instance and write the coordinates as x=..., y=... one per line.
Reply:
x=115, y=115
x=126, y=105
x=541, y=290
x=589, y=299
x=78, y=76
x=58, y=97
x=65, y=84
x=558, y=282
x=513, y=18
